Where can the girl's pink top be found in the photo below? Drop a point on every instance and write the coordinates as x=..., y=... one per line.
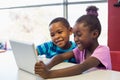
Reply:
x=102, y=53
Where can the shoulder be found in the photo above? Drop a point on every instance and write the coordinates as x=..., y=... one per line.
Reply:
x=102, y=48
x=101, y=52
x=46, y=43
x=49, y=42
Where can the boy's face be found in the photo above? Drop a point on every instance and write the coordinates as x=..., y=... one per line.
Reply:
x=82, y=36
x=60, y=34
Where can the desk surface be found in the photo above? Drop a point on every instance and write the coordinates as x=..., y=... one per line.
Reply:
x=10, y=71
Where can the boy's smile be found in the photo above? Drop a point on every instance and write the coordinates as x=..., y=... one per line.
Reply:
x=59, y=42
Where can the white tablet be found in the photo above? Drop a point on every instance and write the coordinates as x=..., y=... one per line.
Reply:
x=25, y=55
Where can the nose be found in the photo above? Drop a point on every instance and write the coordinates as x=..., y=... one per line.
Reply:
x=56, y=36
x=76, y=39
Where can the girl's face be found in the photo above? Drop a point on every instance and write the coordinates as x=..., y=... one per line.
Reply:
x=60, y=35
x=82, y=36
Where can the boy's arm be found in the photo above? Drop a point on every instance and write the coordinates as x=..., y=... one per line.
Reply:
x=59, y=58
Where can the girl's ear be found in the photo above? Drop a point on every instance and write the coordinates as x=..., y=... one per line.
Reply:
x=71, y=30
x=95, y=33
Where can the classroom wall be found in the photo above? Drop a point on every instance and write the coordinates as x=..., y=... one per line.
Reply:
x=113, y=26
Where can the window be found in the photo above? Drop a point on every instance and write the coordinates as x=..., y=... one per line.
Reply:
x=80, y=9
x=28, y=20
x=24, y=3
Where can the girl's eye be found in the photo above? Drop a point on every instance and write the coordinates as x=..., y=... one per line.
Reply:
x=79, y=35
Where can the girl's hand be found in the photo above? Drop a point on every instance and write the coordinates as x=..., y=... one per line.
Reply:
x=41, y=69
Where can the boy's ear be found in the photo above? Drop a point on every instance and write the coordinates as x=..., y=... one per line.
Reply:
x=95, y=33
x=71, y=30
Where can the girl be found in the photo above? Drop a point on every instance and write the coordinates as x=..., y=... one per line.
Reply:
x=88, y=53
x=60, y=32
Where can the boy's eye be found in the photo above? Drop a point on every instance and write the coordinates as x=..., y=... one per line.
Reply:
x=51, y=35
x=59, y=32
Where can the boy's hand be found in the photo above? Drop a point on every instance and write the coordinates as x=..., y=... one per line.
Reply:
x=41, y=69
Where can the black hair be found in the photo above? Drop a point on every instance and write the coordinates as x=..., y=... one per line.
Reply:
x=62, y=20
x=90, y=21
x=92, y=10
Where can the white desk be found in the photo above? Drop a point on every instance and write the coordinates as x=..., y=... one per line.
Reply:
x=9, y=71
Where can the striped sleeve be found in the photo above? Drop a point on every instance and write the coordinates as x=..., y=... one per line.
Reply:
x=42, y=49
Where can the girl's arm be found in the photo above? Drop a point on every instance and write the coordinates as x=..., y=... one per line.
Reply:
x=44, y=70
x=74, y=70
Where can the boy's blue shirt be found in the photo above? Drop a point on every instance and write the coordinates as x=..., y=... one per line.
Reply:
x=49, y=49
